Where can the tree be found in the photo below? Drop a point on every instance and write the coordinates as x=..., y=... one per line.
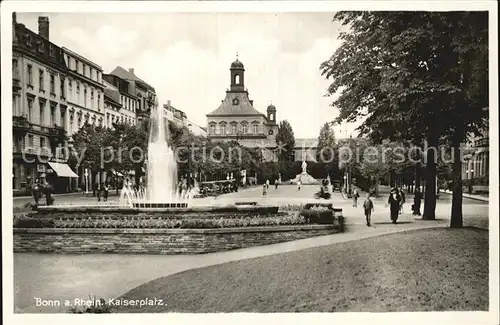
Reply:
x=412, y=75
x=285, y=140
x=326, y=149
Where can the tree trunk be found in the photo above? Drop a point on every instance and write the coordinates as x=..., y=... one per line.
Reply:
x=456, y=203
x=430, y=181
x=417, y=177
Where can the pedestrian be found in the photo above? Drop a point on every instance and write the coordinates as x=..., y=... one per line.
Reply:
x=355, y=197
x=35, y=191
x=98, y=192
x=48, y=193
x=276, y=184
x=368, y=207
x=106, y=191
x=394, y=204
x=264, y=189
x=267, y=183
x=298, y=185
x=417, y=200
x=403, y=200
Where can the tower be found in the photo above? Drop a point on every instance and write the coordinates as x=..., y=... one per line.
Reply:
x=271, y=114
x=237, y=75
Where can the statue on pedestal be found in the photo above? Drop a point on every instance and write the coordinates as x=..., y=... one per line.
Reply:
x=304, y=167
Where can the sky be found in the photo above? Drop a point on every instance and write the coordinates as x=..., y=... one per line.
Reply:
x=186, y=57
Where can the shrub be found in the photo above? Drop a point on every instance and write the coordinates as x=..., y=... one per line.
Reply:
x=29, y=222
x=319, y=216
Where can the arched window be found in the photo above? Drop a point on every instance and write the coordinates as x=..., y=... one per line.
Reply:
x=255, y=128
x=211, y=129
x=244, y=127
x=223, y=128
x=233, y=128
x=237, y=79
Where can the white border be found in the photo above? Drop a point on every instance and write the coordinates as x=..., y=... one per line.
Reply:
x=8, y=7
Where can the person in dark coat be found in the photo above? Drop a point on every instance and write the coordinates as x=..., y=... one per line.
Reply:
x=48, y=193
x=35, y=190
x=394, y=204
x=417, y=201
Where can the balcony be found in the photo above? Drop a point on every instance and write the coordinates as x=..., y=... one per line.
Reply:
x=20, y=124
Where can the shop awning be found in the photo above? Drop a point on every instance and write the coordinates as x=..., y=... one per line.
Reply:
x=62, y=170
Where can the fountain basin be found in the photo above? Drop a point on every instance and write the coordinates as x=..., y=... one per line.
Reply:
x=170, y=209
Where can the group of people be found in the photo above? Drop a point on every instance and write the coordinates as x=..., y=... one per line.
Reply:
x=38, y=190
x=396, y=201
x=266, y=185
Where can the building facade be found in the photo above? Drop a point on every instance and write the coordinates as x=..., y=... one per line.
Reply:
x=180, y=119
x=236, y=119
x=85, y=92
x=113, y=112
x=137, y=97
x=476, y=165
x=39, y=109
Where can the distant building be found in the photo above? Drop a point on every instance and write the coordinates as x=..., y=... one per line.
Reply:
x=236, y=119
x=180, y=118
x=114, y=111
x=39, y=108
x=137, y=97
x=476, y=167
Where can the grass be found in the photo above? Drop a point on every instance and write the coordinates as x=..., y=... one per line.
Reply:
x=421, y=270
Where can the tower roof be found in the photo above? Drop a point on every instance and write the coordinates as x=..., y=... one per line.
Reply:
x=237, y=65
x=271, y=107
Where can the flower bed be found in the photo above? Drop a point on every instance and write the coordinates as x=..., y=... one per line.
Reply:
x=160, y=222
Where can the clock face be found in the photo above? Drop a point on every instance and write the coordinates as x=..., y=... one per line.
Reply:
x=235, y=101
x=271, y=132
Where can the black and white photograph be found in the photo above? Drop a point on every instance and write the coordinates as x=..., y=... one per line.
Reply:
x=314, y=161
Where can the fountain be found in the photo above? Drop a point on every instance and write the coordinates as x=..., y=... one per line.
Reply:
x=161, y=186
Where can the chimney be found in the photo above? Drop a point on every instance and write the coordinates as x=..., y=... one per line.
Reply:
x=168, y=103
x=43, y=27
x=131, y=70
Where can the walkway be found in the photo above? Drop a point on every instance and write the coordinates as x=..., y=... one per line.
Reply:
x=60, y=277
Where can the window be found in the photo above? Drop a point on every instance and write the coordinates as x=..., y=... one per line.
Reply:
x=255, y=128
x=77, y=90
x=63, y=94
x=63, y=118
x=99, y=102
x=85, y=97
x=42, y=112
x=91, y=97
x=52, y=84
x=244, y=128
x=212, y=129
x=41, y=80
x=223, y=128
x=15, y=69
x=70, y=89
x=52, y=115
x=233, y=128
x=42, y=145
x=31, y=143
x=30, y=109
x=237, y=79
x=30, y=75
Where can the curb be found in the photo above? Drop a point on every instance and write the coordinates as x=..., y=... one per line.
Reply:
x=472, y=197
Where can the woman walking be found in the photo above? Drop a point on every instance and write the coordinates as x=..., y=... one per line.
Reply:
x=394, y=204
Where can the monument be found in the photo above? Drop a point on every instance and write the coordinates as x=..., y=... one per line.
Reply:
x=304, y=177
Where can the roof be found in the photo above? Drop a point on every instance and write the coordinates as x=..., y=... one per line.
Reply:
x=237, y=65
x=244, y=107
x=307, y=143
x=127, y=75
x=113, y=95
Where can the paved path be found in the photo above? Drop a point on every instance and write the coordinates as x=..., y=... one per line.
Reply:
x=59, y=277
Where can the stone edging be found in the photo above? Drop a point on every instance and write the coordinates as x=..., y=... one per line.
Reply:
x=169, y=230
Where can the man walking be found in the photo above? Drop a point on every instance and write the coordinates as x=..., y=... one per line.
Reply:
x=368, y=207
x=417, y=200
x=298, y=185
x=355, y=197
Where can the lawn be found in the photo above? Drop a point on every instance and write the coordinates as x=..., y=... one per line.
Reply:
x=421, y=270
